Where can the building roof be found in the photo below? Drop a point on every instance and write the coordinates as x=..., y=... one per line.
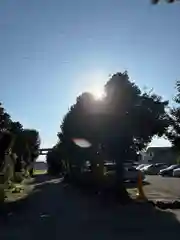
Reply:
x=157, y=150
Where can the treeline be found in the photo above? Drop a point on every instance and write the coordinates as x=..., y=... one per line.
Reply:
x=19, y=148
x=118, y=127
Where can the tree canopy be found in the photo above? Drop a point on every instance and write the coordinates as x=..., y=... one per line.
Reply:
x=126, y=119
x=119, y=126
x=173, y=132
x=26, y=142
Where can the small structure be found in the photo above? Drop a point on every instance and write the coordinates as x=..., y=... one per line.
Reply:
x=159, y=155
x=44, y=151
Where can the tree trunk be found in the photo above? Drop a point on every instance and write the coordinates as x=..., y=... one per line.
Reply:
x=122, y=193
x=31, y=172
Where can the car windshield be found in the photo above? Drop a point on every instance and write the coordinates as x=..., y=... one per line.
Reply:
x=172, y=167
x=146, y=167
x=141, y=165
x=178, y=168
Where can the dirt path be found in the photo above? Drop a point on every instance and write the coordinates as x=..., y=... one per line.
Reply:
x=57, y=212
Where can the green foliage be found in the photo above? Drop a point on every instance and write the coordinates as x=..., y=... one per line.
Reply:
x=123, y=123
x=22, y=143
x=54, y=160
x=5, y=120
x=32, y=138
x=125, y=120
x=173, y=132
x=178, y=160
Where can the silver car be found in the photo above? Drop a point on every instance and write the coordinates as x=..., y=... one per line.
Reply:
x=176, y=172
x=154, y=169
x=131, y=174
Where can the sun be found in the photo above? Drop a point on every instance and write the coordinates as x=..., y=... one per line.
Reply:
x=98, y=94
x=95, y=83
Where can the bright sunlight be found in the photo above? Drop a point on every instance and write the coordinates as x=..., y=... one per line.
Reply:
x=98, y=92
x=96, y=86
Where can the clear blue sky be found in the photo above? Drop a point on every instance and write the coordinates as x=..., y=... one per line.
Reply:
x=51, y=50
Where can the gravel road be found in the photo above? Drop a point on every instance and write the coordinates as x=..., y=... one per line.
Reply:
x=56, y=211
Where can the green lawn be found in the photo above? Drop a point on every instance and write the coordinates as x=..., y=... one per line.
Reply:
x=37, y=172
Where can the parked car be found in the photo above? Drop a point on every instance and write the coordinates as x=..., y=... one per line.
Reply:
x=142, y=166
x=176, y=172
x=154, y=169
x=131, y=174
x=110, y=166
x=143, y=169
x=169, y=170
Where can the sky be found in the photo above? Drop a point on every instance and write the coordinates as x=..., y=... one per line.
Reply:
x=52, y=50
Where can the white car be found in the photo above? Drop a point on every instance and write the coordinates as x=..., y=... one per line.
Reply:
x=176, y=172
x=154, y=169
x=142, y=166
x=143, y=169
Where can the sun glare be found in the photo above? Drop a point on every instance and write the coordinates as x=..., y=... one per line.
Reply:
x=98, y=93
x=95, y=84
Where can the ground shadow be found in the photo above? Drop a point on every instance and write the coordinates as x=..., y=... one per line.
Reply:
x=59, y=211
x=39, y=178
x=134, y=184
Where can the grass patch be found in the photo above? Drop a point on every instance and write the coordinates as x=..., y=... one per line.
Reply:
x=38, y=172
x=18, y=192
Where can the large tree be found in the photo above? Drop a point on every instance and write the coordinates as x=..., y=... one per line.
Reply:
x=25, y=142
x=32, y=138
x=5, y=119
x=173, y=132
x=123, y=123
x=54, y=160
x=134, y=118
x=26, y=146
